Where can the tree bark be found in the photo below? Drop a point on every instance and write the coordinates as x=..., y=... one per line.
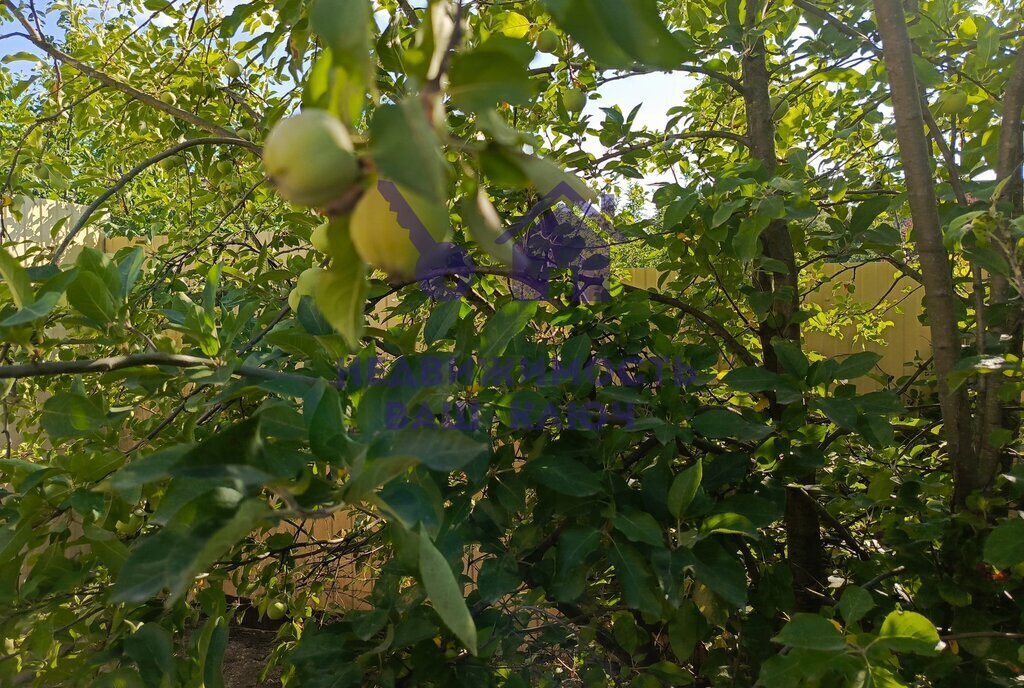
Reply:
x=801, y=519
x=1011, y=157
x=927, y=239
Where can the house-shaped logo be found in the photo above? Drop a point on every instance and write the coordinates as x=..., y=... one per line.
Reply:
x=560, y=234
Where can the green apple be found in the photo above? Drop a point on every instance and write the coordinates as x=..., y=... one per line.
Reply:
x=952, y=102
x=310, y=158
x=319, y=239
x=276, y=610
x=304, y=286
x=379, y=239
x=548, y=41
x=574, y=100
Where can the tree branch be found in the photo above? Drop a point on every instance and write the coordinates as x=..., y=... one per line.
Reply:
x=713, y=325
x=710, y=134
x=104, y=78
x=106, y=365
x=409, y=12
x=136, y=171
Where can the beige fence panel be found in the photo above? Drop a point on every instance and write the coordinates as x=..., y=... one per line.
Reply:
x=906, y=341
x=900, y=304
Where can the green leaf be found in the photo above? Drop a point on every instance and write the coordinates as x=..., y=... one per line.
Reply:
x=514, y=25
x=344, y=26
x=753, y=380
x=721, y=424
x=811, y=632
x=564, y=475
x=725, y=211
x=494, y=73
x=620, y=34
x=440, y=449
x=855, y=603
x=909, y=632
x=340, y=296
x=89, y=295
x=155, y=564
x=445, y=593
x=928, y=75
x=407, y=151
x=239, y=444
x=98, y=263
x=130, y=267
x=866, y=213
x=856, y=365
x=485, y=227
x=793, y=360
x=575, y=547
x=171, y=558
x=639, y=526
x=16, y=278
x=1004, y=547
x=683, y=631
x=721, y=571
x=497, y=578
x=375, y=473
x=746, y=241
x=730, y=524
x=327, y=436
x=684, y=489
x=245, y=519
x=68, y=414
x=213, y=645
x=503, y=326
x=37, y=310
x=639, y=586
x=441, y=320
x=152, y=650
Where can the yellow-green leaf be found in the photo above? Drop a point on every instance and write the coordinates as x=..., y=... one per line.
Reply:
x=445, y=594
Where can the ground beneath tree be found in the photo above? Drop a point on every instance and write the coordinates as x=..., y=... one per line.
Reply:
x=245, y=657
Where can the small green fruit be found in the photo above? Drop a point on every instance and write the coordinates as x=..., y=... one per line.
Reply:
x=379, y=239
x=951, y=103
x=548, y=41
x=170, y=163
x=276, y=610
x=267, y=18
x=310, y=158
x=304, y=286
x=319, y=238
x=574, y=100
x=169, y=98
x=232, y=69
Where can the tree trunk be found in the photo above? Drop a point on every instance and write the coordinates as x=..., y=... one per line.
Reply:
x=1011, y=156
x=803, y=531
x=927, y=240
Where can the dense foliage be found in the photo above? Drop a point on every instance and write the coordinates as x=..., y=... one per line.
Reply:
x=199, y=448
